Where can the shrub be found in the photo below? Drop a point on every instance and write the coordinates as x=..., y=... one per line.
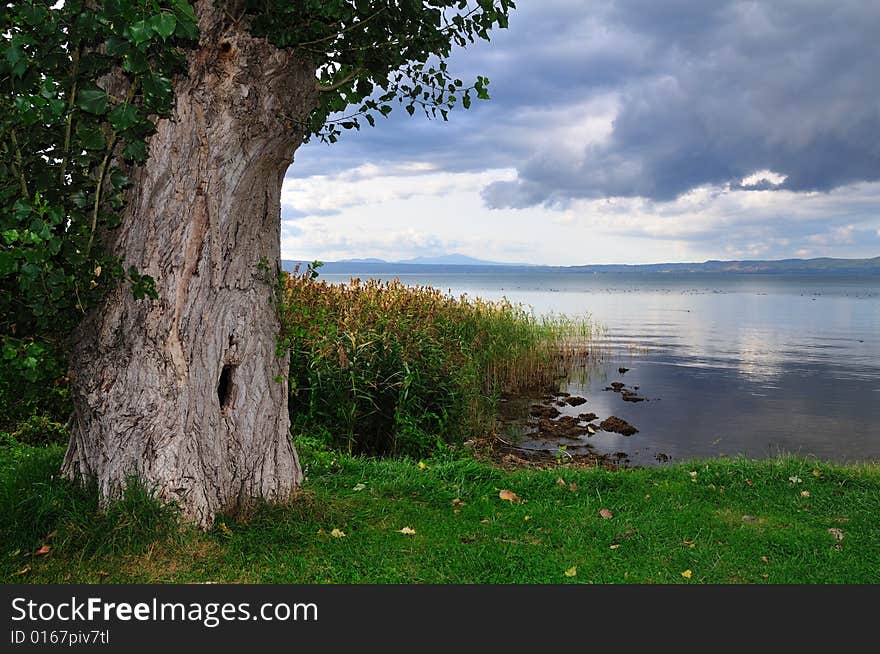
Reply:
x=386, y=368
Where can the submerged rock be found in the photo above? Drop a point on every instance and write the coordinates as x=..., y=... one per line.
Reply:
x=574, y=400
x=587, y=416
x=540, y=411
x=618, y=425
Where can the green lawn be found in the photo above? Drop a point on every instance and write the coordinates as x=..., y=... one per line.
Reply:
x=726, y=521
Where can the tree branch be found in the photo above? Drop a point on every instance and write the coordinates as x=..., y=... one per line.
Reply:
x=332, y=87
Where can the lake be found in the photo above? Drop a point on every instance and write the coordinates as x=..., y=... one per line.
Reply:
x=754, y=365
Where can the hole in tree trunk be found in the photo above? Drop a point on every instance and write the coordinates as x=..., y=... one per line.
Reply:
x=224, y=387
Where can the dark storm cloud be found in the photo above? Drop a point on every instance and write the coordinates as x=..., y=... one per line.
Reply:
x=735, y=87
x=707, y=93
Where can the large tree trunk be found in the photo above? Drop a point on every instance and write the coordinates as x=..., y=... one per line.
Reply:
x=183, y=391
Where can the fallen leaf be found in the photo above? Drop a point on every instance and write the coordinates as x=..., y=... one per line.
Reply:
x=817, y=472
x=508, y=495
x=749, y=482
x=614, y=546
x=837, y=533
x=224, y=528
x=24, y=570
x=689, y=543
x=841, y=519
x=805, y=493
x=43, y=550
x=687, y=574
x=103, y=573
x=526, y=518
x=360, y=487
x=408, y=531
x=749, y=518
x=456, y=511
x=794, y=479
x=572, y=487
x=423, y=466
x=693, y=474
x=764, y=559
x=457, y=502
x=560, y=481
x=648, y=496
x=572, y=571
x=337, y=533
x=484, y=521
x=606, y=514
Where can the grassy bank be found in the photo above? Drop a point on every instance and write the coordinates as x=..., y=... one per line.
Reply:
x=726, y=521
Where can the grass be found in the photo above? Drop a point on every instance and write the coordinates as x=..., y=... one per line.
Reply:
x=725, y=521
x=385, y=368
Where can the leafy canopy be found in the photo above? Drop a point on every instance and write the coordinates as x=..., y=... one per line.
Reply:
x=69, y=142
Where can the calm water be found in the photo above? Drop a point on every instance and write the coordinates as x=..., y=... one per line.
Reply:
x=747, y=364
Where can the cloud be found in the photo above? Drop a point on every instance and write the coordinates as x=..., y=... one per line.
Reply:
x=717, y=129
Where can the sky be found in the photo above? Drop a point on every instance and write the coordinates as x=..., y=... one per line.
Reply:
x=627, y=131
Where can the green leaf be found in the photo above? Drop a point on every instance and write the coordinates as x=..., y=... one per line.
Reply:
x=140, y=31
x=91, y=138
x=7, y=263
x=136, y=150
x=163, y=25
x=123, y=116
x=93, y=100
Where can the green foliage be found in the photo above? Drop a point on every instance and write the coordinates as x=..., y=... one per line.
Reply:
x=40, y=430
x=369, y=54
x=68, y=146
x=386, y=368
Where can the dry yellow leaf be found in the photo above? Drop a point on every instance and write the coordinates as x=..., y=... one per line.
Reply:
x=614, y=546
x=805, y=493
x=456, y=511
x=572, y=571
x=508, y=495
x=408, y=531
x=24, y=570
x=606, y=514
x=817, y=472
x=687, y=574
x=43, y=550
x=560, y=481
x=423, y=466
x=484, y=521
x=337, y=533
x=572, y=487
x=527, y=517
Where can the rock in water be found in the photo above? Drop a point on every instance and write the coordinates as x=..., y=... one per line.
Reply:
x=618, y=425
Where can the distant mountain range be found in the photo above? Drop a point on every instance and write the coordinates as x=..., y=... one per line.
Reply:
x=461, y=263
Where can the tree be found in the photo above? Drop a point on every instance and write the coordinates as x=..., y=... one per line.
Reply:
x=144, y=146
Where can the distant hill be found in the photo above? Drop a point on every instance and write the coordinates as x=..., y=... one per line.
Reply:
x=455, y=260
x=461, y=264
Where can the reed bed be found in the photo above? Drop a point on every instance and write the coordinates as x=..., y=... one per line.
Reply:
x=379, y=367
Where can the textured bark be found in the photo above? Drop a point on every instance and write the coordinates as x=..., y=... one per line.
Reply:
x=182, y=391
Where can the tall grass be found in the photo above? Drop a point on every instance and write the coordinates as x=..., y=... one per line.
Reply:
x=380, y=367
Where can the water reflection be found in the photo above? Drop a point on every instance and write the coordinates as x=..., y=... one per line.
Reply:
x=753, y=365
